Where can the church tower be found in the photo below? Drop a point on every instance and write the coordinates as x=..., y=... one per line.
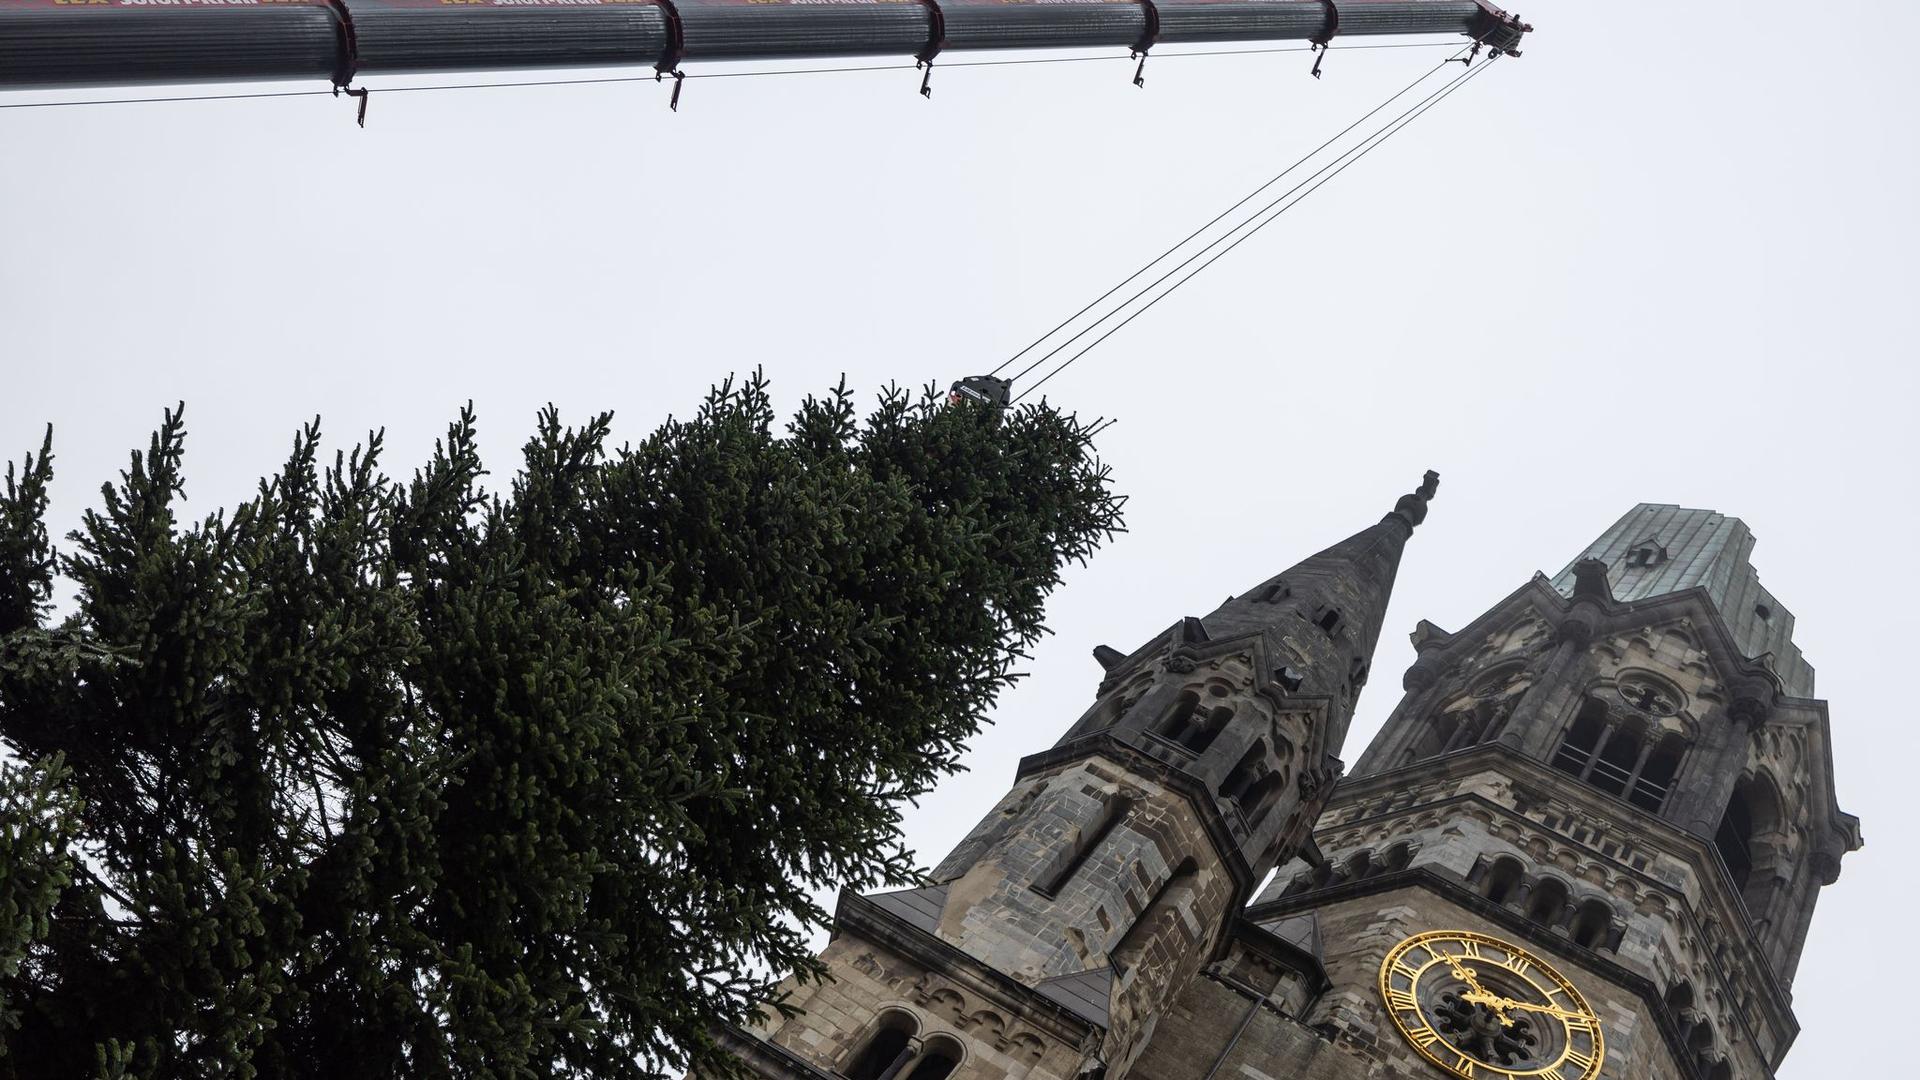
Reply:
x=1586, y=845
x=1619, y=775
x=1055, y=938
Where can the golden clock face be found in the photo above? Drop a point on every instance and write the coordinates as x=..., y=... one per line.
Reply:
x=1479, y=1007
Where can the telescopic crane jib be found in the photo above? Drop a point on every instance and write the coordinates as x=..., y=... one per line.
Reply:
x=74, y=43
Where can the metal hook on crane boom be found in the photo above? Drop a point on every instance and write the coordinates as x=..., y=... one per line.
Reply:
x=1149, y=37
x=669, y=62
x=1321, y=42
x=936, y=40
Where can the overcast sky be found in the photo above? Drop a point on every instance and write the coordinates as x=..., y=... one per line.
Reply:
x=1667, y=256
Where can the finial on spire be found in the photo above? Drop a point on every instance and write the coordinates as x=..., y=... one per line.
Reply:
x=1413, y=506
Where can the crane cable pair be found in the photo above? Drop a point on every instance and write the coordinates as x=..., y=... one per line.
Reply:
x=990, y=389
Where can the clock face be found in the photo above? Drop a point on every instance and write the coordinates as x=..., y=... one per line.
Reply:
x=1480, y=1008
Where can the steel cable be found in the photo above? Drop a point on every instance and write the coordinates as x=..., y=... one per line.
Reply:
x=1393, y=128
x=1187, y=239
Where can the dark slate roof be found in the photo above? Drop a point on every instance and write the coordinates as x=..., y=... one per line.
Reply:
x=1302, y=931
x=1706, y=549
x=919, y=908
x=1084, y=993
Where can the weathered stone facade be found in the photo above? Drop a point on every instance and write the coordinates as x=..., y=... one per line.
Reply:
x=1613, y=769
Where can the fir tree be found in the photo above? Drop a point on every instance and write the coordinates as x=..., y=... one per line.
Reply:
x=372, y=778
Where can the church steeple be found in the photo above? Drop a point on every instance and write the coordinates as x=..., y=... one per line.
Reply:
x=1585, y=845
x=1625, y=765
x=1341, y=593
x=1114, y=869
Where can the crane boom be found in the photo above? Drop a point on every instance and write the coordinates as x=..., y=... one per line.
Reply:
x=73, y=43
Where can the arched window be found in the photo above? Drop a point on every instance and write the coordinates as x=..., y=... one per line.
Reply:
x=1621, y=756
x=1250, y=785
x=1591, y=925
x=1192, y=724
x=938, y=1060
x=1397, y=858
x=1679, y=997
x=886, y=1050
x=1082, y=845
x=1656, y=777
x=1548, y=904
x=1734, y=839
x=1752, y=813
x=1614, y=761
x=1264, y=795
x=1700, y=1041
x=1361, y=865
x=1503, y=881
x=1577, y=746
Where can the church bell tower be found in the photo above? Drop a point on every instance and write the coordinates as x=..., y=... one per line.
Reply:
x=1585, y=846
x=1055, y=938
x=1619, y=774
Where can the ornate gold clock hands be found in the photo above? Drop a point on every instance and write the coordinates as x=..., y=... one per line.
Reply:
x=1477, y=993
x=1462, y=1011
x=1501, y=1004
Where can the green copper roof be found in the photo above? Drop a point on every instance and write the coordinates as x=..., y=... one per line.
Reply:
x=1659, y=548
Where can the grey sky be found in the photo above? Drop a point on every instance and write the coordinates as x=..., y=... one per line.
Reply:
x=1667, y=256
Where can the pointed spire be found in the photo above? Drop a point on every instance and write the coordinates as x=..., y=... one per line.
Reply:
x=1323, y=615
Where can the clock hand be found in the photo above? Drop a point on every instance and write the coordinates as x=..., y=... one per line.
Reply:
x=1477, y=993
x=1501, y=1003
x=1463, y=973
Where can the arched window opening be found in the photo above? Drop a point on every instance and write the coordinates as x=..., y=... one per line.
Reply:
x=1174, y=724
x=1621, y=756
x=1082, y=846
x=1656, y=777
x=1548, y=905
x=1192, y=725
x=1614, y=760
x=1734, y=840
x=1359, y=866
x=1264, y=795
x=1503, y=881
x=1679, y=1002
x=1746, y=838
x=1160, y=919
x=1398, y=857
x=887, y=1050
x=1244, y=781
x=1577, y=746
x=1590, y=926
x=937, y=1062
